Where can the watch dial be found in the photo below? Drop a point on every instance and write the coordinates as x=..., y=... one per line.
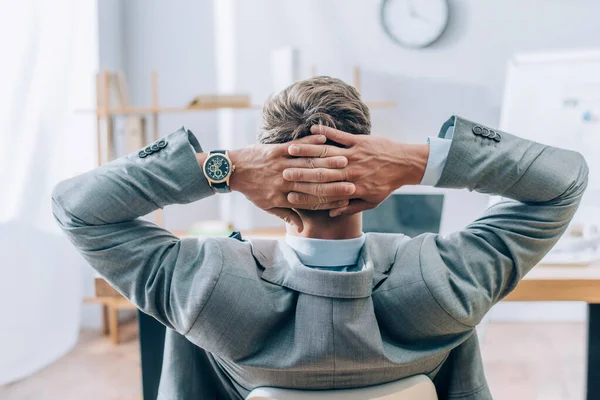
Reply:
x=217, y=167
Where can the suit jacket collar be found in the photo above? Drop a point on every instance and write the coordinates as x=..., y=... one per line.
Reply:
x=282, y=267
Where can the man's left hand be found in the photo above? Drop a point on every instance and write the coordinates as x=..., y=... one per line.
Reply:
x=377, y=166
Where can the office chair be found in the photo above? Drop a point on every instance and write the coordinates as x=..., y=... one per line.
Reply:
x=418, y=387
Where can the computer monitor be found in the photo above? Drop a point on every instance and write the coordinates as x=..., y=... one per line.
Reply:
x=408, y=213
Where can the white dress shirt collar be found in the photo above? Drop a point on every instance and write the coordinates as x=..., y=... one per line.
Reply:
x=326, y=253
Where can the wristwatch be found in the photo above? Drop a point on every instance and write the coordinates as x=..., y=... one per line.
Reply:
x=218, y=169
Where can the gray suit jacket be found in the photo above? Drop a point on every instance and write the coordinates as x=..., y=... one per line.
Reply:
x=263, y=318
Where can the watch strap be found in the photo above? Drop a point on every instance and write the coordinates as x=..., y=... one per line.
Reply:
x=222, y=187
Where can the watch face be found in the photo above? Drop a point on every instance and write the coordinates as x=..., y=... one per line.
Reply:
x=414, y=23
x=217, y=168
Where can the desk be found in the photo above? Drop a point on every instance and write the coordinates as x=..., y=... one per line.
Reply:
x=543, y=283
x=569, y=283
x=559, y=283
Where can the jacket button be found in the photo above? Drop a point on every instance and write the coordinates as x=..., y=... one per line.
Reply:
x=142, y=154
x=154, y=147
x=497, y=138
x=492, y=134
x=486, y=132
x=148, y=150
x=477, y=130
x=162, y=144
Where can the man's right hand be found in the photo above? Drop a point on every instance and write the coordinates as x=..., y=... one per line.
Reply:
x=377, y=166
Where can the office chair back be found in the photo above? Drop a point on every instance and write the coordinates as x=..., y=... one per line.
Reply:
x=418, y=387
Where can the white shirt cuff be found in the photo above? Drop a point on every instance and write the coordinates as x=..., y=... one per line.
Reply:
x=438, y=154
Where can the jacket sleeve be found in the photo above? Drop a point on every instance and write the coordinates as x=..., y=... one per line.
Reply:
x=468, y=271
x=168, y=278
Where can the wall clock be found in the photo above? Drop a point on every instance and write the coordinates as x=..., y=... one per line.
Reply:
x=414, y=23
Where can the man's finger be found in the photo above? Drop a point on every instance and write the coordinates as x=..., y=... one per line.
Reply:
x=299, y=200
x=288, y=215
x=314, y=175
x=327, y=162
x=341, y=137
x=315, y=150
x=310, y=139
x=322, y=190
x=354, y=207
x=332, y=205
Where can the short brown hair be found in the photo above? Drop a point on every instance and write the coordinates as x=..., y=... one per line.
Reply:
x=321, y=100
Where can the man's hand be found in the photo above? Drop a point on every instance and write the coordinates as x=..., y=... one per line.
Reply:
x=376, y=165
x=259, y=176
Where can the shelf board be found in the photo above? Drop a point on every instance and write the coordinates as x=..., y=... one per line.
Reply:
x=167, y=110
x=373, y=105
x=174, y=110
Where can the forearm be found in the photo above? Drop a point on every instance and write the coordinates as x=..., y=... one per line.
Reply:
x=133, y=185
x=411, y=162
x=509, y=166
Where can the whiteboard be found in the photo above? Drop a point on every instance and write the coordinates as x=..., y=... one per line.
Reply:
x=554, y=98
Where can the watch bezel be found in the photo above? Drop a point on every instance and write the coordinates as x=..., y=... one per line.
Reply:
x=226, y=156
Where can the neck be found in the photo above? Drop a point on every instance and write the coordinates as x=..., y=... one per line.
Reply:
x=343, y=227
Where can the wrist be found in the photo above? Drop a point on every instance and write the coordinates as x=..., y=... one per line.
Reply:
x=420, y=156
x=412, y=162
x=236, y=159
x=201, y=158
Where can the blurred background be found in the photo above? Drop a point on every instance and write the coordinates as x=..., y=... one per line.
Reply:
x=83, y=82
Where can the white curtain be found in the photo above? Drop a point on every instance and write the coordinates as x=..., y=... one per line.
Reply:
x=49, y=54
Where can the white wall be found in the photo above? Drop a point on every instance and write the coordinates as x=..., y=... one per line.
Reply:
x=111, y=50
x=463, y=71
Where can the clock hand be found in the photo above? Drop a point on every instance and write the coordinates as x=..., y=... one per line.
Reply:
x=411, y=9
x=422, y=18
x=413, y=12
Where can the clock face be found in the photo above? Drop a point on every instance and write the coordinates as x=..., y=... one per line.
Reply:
x=414, y=23
x=217, y=168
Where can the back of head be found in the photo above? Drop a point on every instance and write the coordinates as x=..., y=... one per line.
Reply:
x=321, y=100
